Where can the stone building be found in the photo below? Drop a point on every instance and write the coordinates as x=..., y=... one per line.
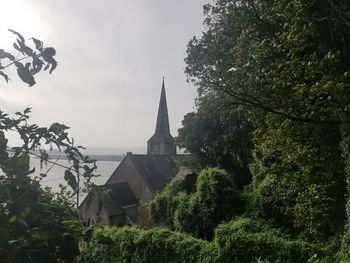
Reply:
x=124, y=197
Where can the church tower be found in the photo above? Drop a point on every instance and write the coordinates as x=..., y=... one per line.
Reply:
x=162, y=143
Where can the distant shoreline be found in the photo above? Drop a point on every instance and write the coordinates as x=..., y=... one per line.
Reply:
x=97, y=157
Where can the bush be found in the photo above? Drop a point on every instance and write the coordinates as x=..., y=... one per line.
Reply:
x=164, y=205
x=131, y=244
x=245, y=240
x=241, y=240
x=216, y=198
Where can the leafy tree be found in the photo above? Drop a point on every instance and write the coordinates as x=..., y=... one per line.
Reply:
x=35, y=224
x=218, y=136
x=286, y=63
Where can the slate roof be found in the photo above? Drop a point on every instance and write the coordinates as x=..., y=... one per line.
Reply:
x=155, y=170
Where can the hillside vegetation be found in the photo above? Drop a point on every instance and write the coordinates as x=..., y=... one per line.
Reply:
x=272, y=114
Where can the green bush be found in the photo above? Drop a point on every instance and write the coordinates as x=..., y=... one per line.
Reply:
x=164, y=205
x=216, y=198
x=245, y=240
x=131, y=244
x=241, y=240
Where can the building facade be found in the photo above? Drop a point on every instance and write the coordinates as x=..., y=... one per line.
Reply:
x=135, y=181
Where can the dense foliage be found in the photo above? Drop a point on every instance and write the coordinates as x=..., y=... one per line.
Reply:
x=278, y=73
x=219, y=137
x=285, y=65
x=242, y=240
x=130, y=244
x=36, y=225
x=214, y=200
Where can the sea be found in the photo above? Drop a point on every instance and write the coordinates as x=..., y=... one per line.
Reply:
x=105, y=166
x=55, y=174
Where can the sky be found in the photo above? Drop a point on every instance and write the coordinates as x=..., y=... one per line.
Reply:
x=112, y=55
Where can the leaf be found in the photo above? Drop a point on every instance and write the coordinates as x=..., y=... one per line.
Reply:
x=53, y=65
x=24, y=74
x=27, y=110
x=38, y=44
x=3, y=54
x=58, y=128
x=12, y=219
x=5, y=76
x=21, y=38
x=47, y=55
x=37, y=64
x=10, y=56
x=70, y=178
x=17, y=47
x=48, y=52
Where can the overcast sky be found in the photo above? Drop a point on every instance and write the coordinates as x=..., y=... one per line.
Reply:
x=112, y=55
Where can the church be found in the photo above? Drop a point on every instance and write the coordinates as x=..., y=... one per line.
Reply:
x=123, y=199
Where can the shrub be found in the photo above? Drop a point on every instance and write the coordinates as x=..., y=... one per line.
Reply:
x=244, y=240
x=216, y=198
x=131, y=244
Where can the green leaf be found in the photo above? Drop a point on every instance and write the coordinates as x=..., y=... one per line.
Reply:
x=12, y=219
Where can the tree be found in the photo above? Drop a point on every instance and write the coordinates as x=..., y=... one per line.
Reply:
x=297, y=50
x=286, y=63
x=219, y=136
x=35, y=224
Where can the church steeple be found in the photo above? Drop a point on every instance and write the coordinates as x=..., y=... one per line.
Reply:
x=162, y=143
x=162, y=126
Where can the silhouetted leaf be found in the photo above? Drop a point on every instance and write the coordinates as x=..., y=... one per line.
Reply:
x=70, y=178
x=37, y=65
x=5, y=76
x=47, y=55
x=38, y=44
x=27, y=110
x=21, y=38
x=48, y=52
x=17, y=48
x=10, y=56
x=3, y=54
x=24, y=74
x=58, y=128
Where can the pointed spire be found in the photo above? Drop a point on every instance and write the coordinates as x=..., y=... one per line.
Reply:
x=162, y=142
x=162, y=126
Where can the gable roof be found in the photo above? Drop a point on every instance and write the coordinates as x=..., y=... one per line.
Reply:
x=155, y=170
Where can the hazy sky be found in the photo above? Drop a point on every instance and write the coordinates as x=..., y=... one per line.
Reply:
x=112, y=55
